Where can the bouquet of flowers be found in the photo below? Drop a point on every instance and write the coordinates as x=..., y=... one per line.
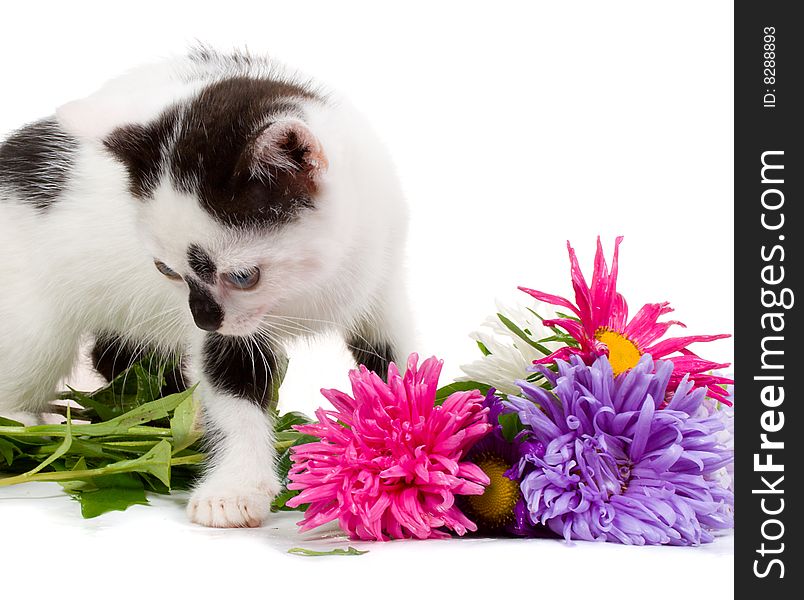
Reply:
x=585, y=424
x=574, y=421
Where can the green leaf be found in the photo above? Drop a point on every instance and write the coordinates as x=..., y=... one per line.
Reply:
x=286, y=438
x=279, y=372
x=281, y=501
x=111, y=492
x=76, y=485
x=135, y=442
x=284, y=462
x=60, y=451
x=289, y=419
x=534, y=377
x=7, y=449
x=120, y=425
x=149, y=384
x=97, y=502
x=350, y=551
x=511, y=425
x=483, y=348
x=155, y=462
x=89, y=402
x=521, y=334
x=283, y=465
x=183, y=424
x=150, y=411
x=561, y=337
x=564, y=339
x=140, y=383
x=460, y=386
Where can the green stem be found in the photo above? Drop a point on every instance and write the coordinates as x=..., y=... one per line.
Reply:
x=90, y=473
x=61, y=475
x=60, y=431
x=190, y=459
x=139, y=430
x=127, y=444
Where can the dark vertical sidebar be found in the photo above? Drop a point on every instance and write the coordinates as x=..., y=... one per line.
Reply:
x=768, y=333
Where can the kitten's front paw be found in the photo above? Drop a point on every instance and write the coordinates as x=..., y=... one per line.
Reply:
x=216, y=506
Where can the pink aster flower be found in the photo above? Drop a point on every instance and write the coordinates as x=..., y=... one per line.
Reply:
x=601, y=327
x=389, y=462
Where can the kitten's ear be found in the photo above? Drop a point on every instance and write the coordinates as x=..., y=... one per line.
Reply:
x=137, y=147
x=288, y=147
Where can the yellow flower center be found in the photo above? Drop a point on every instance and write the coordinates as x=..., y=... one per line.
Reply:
x=495, y=507
x=623, y=353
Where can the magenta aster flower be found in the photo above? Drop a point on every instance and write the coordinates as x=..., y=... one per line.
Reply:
x=615, y=467
x=389, y=463
x=602, y=328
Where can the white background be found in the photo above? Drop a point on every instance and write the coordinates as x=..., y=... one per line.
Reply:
x=514, y=127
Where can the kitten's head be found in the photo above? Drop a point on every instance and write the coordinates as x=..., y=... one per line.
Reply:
x=228, y=185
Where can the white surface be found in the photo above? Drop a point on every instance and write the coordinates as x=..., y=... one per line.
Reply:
x=175, y=558
x=513, y=129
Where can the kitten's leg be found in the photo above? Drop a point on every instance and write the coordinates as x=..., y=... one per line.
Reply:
x=384, y=333
x=36, y=352
x=236, y=390
x=111, y=355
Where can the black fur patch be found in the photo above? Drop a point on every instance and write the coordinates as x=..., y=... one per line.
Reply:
x=246, y=369
x=212, y=156
x=207, y=313
x=35, y=162
x=140, y=148
x=207, y=145
x=111, y=356
x=201, y=263
x=375, y=356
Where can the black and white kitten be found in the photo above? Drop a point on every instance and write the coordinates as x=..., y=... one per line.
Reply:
x=210, y=207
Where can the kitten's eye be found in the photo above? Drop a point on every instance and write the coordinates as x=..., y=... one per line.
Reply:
x=242, y=280
x=166, y=270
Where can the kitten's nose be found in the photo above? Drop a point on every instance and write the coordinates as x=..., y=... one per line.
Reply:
x=207, y=314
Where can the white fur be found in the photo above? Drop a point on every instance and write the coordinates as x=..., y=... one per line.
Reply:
x=237, y=488
x=86, y=265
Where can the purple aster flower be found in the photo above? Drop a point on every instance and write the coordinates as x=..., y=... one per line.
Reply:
x=615, y=466
x=501, y=508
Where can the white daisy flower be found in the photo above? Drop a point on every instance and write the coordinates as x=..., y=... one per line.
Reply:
x=510, y=338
